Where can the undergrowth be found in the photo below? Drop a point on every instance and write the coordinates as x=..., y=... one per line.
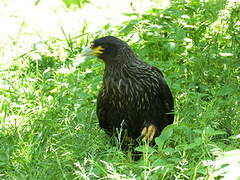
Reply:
x=48, y=124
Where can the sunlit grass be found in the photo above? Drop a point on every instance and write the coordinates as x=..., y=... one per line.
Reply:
x=24, y=24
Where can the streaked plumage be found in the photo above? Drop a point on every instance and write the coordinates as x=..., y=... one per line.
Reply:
x=134, y=95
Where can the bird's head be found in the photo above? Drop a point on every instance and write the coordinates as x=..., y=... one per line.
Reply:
x=109, y=48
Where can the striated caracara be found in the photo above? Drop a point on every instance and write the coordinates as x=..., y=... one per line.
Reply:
x=134, y=97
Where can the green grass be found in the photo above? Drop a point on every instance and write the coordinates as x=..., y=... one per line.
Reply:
x=48, y=124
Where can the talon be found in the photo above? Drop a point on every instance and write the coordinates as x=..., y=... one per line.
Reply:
x=143, y=133
x=148, y=133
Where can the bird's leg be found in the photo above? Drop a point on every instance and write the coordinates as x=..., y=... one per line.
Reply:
x=149, y=132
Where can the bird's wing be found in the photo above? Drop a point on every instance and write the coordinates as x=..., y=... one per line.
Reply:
x=166, y=95
x=164, y=90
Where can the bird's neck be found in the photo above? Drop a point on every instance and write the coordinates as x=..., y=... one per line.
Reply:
x=119, y=67
x=117, y=76
x=114, y=70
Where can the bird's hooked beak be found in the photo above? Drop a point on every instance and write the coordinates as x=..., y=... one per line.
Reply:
x=87, y=53
x=93, y=51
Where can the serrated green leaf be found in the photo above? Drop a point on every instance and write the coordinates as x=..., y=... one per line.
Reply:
x=166, y=134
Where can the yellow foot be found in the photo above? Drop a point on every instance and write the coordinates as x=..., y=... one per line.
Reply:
x=148, y=133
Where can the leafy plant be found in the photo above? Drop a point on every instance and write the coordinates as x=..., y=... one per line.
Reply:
x=48, y=126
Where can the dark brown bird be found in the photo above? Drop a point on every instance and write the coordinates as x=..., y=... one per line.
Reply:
x=135, y=97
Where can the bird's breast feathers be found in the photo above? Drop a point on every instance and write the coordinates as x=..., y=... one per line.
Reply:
x=130, y=92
